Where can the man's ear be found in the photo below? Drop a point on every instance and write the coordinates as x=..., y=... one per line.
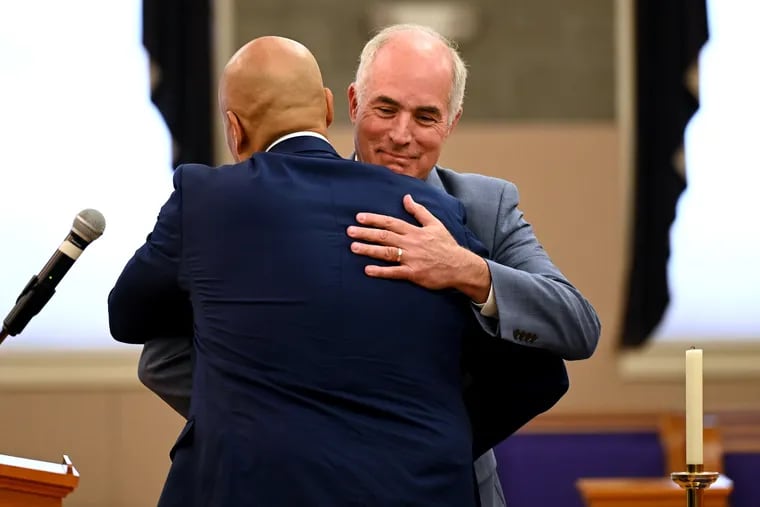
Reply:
x=353, y=102
x=330, y=103
x=454, y=122
x=235, y=136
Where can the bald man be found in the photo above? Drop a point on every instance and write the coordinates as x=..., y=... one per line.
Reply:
x=313, y=383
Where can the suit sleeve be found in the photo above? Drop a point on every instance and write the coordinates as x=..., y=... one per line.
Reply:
x=537, y=305
x=166, y=368
x=147, y=301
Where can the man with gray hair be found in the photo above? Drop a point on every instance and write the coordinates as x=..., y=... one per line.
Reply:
x=406, y=101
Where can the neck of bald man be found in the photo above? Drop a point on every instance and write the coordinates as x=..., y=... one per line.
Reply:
x=270, y=140
x=268, y=134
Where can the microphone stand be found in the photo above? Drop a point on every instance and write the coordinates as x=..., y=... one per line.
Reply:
x=29, y=303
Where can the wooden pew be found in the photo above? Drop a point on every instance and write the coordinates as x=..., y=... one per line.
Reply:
x=662, y=491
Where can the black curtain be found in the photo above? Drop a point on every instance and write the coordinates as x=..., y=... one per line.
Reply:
x=177, y=36
x=669, y=35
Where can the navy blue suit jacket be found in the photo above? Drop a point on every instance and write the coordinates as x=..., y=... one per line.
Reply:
x=313, y=383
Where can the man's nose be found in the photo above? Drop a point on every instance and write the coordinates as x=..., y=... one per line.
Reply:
x=400, y=132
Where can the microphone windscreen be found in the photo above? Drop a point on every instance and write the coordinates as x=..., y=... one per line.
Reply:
x=89, y=224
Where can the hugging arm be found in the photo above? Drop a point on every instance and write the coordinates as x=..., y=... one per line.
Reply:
x=537, y=305
x=147, y=300
x=148, y=305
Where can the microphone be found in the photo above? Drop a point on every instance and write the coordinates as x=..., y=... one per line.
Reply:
x=88, y=226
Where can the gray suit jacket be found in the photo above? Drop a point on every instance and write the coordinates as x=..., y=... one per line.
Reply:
x=538, y=307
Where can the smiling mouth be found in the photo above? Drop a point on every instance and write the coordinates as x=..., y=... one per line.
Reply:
x=395, y=156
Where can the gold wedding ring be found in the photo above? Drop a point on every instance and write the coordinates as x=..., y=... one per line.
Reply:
x=399, y=253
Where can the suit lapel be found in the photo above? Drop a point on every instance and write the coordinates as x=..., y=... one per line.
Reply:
x=434, y=178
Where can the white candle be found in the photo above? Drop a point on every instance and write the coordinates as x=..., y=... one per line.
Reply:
x=694, y=415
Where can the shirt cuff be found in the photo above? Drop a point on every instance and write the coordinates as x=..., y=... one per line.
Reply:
x=489, y=308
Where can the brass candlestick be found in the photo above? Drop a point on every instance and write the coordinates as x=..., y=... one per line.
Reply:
x=695, y=480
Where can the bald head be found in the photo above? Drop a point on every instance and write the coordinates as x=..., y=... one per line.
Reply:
x=271, y=87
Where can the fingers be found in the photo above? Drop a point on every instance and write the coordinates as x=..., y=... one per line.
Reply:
x=383, y=253
x=396, y=225
x=383, y=222
x=419, y=212
x=379, y=236
x=388, y=272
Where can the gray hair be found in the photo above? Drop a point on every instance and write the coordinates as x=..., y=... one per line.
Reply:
x=459, y=77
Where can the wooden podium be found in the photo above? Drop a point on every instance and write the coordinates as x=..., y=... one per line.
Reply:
x=31, y=483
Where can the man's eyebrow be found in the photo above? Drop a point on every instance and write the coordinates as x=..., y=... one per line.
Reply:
x=429, y=109
x=384, y=99
x=387, y=100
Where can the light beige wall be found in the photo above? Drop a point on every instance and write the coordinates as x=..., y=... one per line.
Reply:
x=528, y=59
x=118, y=441
x=572, y=190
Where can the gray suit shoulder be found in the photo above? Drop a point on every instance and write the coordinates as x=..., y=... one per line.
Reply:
x=488, y=187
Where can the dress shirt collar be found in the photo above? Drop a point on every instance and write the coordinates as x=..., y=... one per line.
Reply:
x=298, y=134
